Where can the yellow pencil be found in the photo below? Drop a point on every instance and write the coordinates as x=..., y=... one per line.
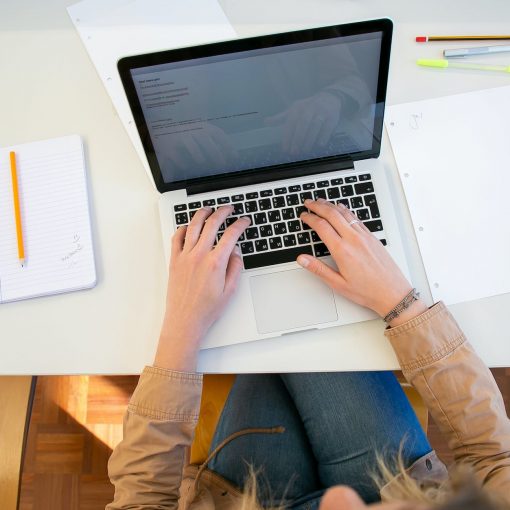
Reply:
x=17, y=210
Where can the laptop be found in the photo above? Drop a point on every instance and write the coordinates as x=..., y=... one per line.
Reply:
x=263, y=124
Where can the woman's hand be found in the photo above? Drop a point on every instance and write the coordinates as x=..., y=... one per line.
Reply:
x=366, y=272
x=202, y=279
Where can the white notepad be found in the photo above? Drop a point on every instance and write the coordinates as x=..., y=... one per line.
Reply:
x=57, y=235
x=453, y=158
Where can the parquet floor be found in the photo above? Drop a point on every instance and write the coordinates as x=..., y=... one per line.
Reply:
x=76, y=421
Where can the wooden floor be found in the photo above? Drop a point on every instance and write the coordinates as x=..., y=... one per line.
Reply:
x=76, y=421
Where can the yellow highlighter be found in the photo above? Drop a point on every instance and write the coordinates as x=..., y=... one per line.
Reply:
x=443, y=63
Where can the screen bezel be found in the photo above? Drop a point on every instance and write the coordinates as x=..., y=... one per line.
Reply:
x=268, y=173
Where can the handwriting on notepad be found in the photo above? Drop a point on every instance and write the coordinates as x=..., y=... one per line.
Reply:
x=77, y=247
x=415, y=120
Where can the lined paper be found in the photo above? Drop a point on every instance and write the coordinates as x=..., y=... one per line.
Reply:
x=55, y=216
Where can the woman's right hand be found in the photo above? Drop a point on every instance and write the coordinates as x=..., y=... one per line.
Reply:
x=366, y=272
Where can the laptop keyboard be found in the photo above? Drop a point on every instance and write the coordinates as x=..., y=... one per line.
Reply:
x=276, y=235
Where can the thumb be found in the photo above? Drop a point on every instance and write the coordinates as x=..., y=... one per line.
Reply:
x=234, y=266
x=323, y=271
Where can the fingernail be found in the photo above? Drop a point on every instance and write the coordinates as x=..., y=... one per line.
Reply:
x=237, y=250
x=308, y=201
x=321, y=200
x=303, y=261
x=246, y=218
x=207, y=207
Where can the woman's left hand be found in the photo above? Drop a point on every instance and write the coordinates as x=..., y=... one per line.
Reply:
x=202, y=279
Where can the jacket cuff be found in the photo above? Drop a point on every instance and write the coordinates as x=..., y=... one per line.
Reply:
x=164, y=394
x=425, y=339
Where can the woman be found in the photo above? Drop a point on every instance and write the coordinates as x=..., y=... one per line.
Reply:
x=305, y=434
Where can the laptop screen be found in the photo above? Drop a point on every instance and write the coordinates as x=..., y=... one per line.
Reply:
x=260, y=108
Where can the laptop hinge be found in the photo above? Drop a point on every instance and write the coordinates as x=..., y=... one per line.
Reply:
x=249, y=179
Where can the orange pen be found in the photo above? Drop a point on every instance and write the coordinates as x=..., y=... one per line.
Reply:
x=17, y=209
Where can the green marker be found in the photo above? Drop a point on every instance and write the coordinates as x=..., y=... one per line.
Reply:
x=443, y=63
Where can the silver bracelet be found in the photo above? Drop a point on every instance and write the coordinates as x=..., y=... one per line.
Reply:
x=409, y=298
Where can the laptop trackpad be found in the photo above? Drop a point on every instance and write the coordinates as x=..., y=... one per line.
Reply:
x=291, y=299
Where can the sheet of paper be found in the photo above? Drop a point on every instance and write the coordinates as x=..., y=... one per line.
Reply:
x=112, y=29
x=453, y=158
x=55, y=216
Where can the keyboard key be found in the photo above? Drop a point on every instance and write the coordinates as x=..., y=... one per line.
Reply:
x=252, y=233
x=294, y=226
x=238, y=209
x=309, y=185
x=371, y=201
x=251, y=206
x=275, y=243
x=305, y=195
x=252, y=195
x=364, y=187
x=333, y=193
x=180, y=207
x=230, y=220
x=280, y=228
x=383, y=241
x=223, y=200
x=351, y=178
x=264, y=204
x=374, y=211
x=320, y=193
x=356, y=202
x=347, y=191
x=300, y=209
x=293, y=199
x=261, y=245
x=191, y=214
x=210, y=202
x=373, y=226
x=181, y=218
x=363, y=214
x=221, y=227
x=337, y=182
x=237, y=198
x=315, y=236
x=274, y=216
x=280, y=191
x=293, y=189
x=194, y=205
x=266, y=193
x=365, y=177
x=275, y=257
x=343, y=201
x=247, y=247
x=322, y=184
x=321, y=250
x=266, y=230
x=260, y=218
x=289, y=240
x=278, y=202
x=288, y=214
x=303, y=238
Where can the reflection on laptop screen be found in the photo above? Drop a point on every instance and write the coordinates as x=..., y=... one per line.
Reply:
x=263, y=107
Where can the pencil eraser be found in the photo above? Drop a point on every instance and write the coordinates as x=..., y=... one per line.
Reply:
x=421, y=39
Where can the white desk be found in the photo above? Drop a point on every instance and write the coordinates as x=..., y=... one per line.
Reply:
x=50, y=88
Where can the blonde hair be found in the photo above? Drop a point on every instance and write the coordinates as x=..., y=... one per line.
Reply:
x=462, y=491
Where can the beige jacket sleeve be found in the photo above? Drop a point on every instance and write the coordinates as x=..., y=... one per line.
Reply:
x=459, y=391
x=146, y=467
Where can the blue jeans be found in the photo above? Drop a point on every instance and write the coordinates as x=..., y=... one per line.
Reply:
x=335, y=424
